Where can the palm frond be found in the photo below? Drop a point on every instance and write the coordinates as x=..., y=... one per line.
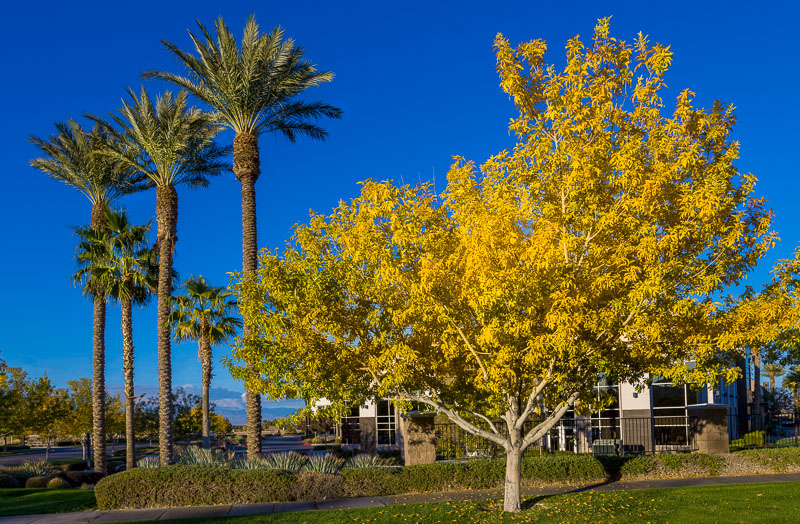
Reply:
x=249, y=86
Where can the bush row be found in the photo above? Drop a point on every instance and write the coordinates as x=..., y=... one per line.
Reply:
x=182, y=485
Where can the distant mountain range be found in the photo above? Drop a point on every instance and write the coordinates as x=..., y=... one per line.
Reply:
x=228, y=403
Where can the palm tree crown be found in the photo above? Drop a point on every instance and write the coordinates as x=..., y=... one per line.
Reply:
x=204, y=311
x=117, y=260
x=166, y=141
x=74, y=156
x=252, y=87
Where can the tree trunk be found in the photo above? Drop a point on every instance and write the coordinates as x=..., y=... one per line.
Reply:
x=757, y=388
x=511, y=498
x=99, y=385
x=247, y=167
x=205, y=353
x=127, y=369
x=167, y=218
x=99, y=360
x=772, y=382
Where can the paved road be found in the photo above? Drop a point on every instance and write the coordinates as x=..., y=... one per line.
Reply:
x=269, y=445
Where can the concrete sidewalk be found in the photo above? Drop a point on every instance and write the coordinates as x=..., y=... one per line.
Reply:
x=235, y=510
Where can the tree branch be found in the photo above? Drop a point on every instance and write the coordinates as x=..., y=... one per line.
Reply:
x=470, y=348
x=539, y=431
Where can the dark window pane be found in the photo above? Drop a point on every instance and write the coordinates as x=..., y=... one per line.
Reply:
x=668, y=396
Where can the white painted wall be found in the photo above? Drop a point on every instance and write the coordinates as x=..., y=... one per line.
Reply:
x=629, y=398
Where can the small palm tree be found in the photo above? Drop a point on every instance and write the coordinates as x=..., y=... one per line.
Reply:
x=792, y=382
x=253, y=89
x=71, y=156
x=773, y=370
x=203, y=313
x=121, y=257
x=170, y=144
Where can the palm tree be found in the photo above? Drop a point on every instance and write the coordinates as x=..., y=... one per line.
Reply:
x=792, y=382
x=72, y=157
x=203, y=313
x=120, y=256
x=170, y=143
x=773, y=370
x=252, y=88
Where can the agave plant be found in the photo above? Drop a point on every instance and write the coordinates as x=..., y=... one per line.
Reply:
x=150, y=461
x=196, y=456
x=363, y=460
x=27, y=470
x=289, y=461
x=324, y=464
x=251, y=463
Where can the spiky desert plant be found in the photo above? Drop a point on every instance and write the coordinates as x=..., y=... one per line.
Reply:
x=72, y=157
x=253, y=89
x=170, y=144
x=35, y=469
x=148, y=462
x=288, y=461
x=326, y=463
x=364, y=460
x=251, y=463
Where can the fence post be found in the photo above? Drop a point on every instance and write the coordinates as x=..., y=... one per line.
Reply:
x=709, y=425
x=419, y=438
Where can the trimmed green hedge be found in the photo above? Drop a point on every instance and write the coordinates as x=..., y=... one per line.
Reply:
x=779, y=459
x=192, y=485
x=195, y=485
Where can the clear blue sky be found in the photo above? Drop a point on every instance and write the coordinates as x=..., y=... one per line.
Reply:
x=417, y=84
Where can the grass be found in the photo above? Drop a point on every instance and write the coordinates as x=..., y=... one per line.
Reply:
x=765, y=502
x=21, y=501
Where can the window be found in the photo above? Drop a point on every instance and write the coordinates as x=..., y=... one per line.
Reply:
x=387, y=431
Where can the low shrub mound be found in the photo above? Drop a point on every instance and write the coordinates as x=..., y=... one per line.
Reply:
x=58, y=483
x=182, y=485
x=78, y=478
x=37, y=482
x=7, y=481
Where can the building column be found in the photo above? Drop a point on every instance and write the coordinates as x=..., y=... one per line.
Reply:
x=419, y=438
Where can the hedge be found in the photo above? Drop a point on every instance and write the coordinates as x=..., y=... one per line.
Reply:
x=182, y=485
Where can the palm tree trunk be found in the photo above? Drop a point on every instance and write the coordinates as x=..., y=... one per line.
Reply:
x=757, y=388
x=99, y=361
x=246, y=165
x=772, y=382
x=205, y=350
x=167, y=218
x=127, y=369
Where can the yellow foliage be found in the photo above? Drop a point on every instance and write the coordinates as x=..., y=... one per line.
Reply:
x=595, y=248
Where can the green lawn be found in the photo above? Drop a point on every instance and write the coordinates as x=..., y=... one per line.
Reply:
x=21, y=501
x=768, y=502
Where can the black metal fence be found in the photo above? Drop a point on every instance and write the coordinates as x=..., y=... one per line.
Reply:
x=600, y=436
x=766, y=429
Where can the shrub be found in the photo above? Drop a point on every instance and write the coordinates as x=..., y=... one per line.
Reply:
x=290, y=461
x=58, y=483
x=77, y=478
x=364, y=460
x=196, y=456
x=370, y=482
x=148, y=462
x=181, y=485
x=779, y=459
x=251, y=463
x=324, y=464
x=752, y=439
x=636, y=467
x=7, y=481
x=37, y=482
x=27, y=470
x=315, y=485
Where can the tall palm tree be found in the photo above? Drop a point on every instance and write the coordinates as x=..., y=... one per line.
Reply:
x=203, y=313
x=170, y=143
x=792, y=382
x=120, y=256
x=773, y=370
x=72, y=157
x=252, y=88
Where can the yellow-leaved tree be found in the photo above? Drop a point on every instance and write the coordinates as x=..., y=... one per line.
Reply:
x=592, y=249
